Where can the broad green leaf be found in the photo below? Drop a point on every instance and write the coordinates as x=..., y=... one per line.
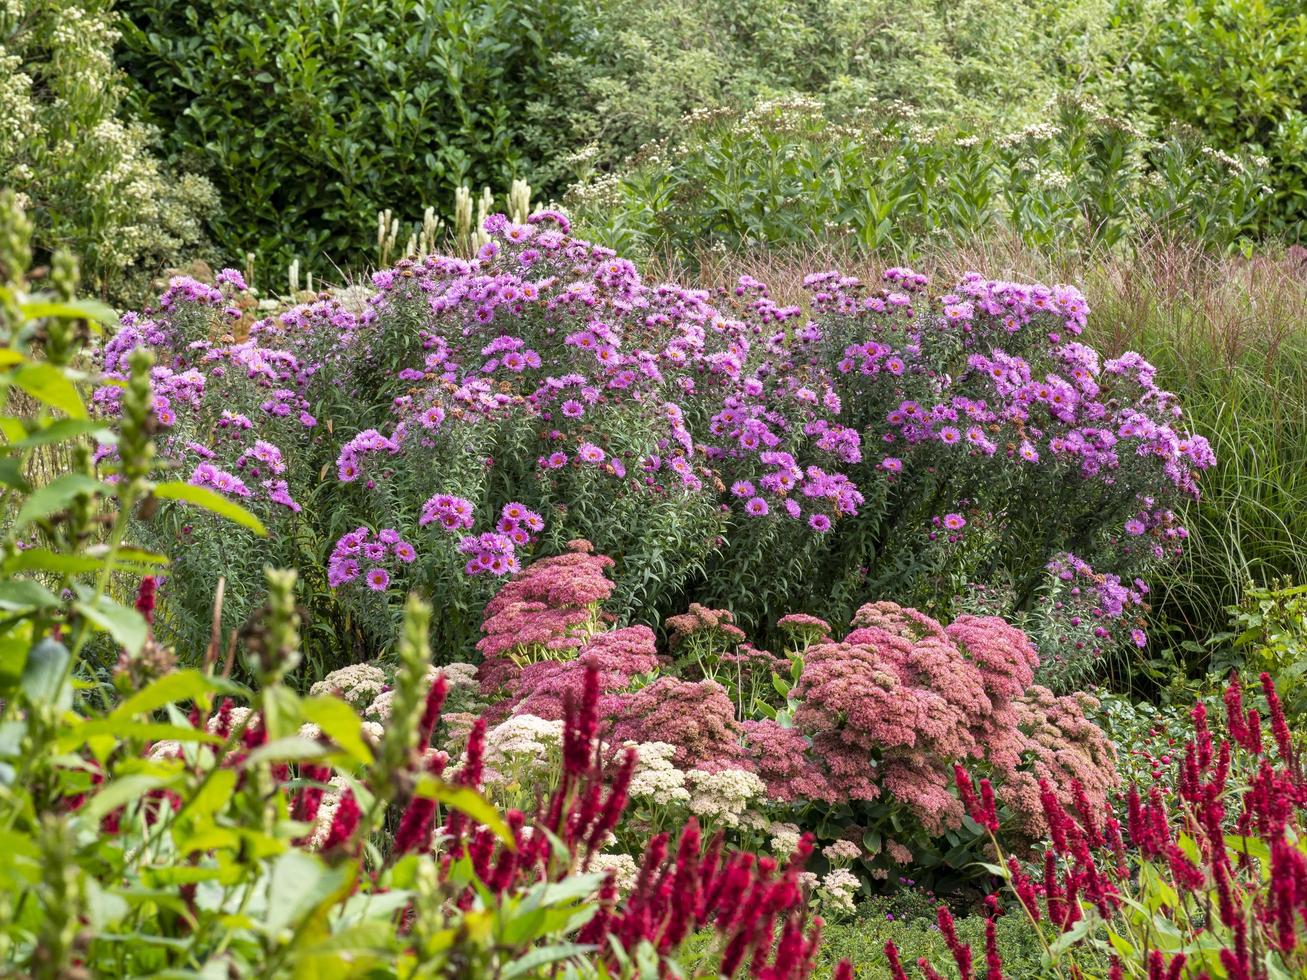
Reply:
x=77, y=309
x=119, y=793
x=299, y=883
x=211, y=501
x=468, y=802
x=289, y=749
x=543, y=956
x=340, y=723
x=103, y=907
x=211, y=796
x=56, y=496
x=181, y=685
x=45, y=675
x=282, y=711
x=62, y=430
x=148, y=731
x=123, y=623
x=21, y=593
x=47, y=383
x=11, y=475
x=44, y=560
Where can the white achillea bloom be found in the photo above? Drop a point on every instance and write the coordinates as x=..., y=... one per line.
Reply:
x=784, y=839
x=842, y=850
x=837, y=890
x=358, y=684
x=623, y=866
x=655, y=779
x=522, y=739
x=237, y=717
x=457, y=674
x=723, y=795
x=380, y=706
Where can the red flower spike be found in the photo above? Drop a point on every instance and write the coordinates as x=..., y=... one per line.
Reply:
x=343, y=823
x=145, y=598
x=993, y=962
x=895, y=967
x=1279, y=727
x=960, y=950
x=431, y=710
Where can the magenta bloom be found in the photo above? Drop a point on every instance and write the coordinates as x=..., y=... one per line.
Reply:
x=756, y=506
x=819, y=523
x=955, y=522
x=378, y=579
x=591, y=453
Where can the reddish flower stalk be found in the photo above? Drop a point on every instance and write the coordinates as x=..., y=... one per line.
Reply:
x=960, y=950
x=1279, y=727
x=145, y=597
x=895, y=966
x=431, y=710
x=993, y=962
x=343, y=823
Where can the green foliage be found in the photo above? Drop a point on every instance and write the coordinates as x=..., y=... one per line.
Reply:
x=908, y=920
x=88, y=176
x=312, y=116
x=1236, y=71
x=1270, y=635
x=798, y=174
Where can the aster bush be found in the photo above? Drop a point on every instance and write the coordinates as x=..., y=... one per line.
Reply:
x=731, y=449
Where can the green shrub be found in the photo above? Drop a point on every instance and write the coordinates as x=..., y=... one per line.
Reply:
x=1236, y=71
x=88, y=176
x=798, y=174
x=312, y=116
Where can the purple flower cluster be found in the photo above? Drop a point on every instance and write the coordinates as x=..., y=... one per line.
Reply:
x=450, y=512
x=373, y=557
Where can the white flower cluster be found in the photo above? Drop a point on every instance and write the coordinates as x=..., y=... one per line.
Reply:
x=723, y=795
x=456, y=674
x=236, y=718
x=656, y=780
x=359, y=684
x=372, y=732
x=842, y=850
x=837, y=890
x=784, y=839
x=522, y=743
x=623, y=866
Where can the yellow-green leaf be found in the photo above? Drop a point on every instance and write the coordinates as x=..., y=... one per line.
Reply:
x=468, y=802
x=47, y=383
x=340, y=723
x=211, y=501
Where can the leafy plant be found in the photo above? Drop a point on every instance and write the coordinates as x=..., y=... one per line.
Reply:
x=88, y=174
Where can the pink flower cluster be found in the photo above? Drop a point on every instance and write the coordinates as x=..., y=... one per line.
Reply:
x=897, y=702
x=545, y=613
